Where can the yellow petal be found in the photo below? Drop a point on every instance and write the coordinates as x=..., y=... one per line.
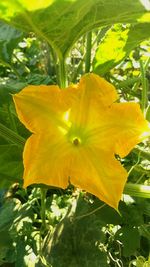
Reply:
x=99, y=89
x=99, y=173
x=45, y=160
x=94, y=93
x=54, y=163
x=119, y=128
x=130, y=127
x=40, y=106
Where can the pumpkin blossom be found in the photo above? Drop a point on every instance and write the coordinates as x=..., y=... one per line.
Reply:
x=76, y=133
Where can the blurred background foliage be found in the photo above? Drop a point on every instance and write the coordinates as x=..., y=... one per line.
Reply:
x=42, y=42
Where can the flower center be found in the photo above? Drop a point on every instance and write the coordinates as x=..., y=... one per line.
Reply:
x=76, y=141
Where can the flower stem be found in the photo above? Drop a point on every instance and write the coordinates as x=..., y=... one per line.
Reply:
x=88, y=52
x=137, y=190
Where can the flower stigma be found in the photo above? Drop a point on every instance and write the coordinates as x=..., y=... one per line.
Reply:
x=76, y=141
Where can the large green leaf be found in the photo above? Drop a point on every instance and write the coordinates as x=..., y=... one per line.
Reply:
x=62, y=22
x=76, y=240
x=122, y=39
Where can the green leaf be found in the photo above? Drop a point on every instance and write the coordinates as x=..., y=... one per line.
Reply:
x=11, y=167
x=123, y=39
x=130, y=239
x=62, y=22
x=76, y=240
x=105, y=214
x=9, y=38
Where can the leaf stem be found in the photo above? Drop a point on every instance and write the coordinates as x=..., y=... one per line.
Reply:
x=88, y=52
x=62, y=72
x=137, y=190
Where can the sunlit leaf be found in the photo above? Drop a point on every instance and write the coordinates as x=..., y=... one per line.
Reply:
x=61, y=23
x=117, y=44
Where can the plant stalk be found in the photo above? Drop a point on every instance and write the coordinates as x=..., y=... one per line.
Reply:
x=137, y=190
x=62, y=73
x=144, y=99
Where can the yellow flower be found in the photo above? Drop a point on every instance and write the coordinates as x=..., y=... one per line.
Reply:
x=76, y=134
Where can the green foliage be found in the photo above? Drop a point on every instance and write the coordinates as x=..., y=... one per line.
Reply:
x=87, y=235
x=67, y=227
x=11, y=167
x=17, y=233
x=63, y=22
x=8, y=40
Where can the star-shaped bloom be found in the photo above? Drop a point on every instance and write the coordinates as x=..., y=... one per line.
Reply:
x=76, y=134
